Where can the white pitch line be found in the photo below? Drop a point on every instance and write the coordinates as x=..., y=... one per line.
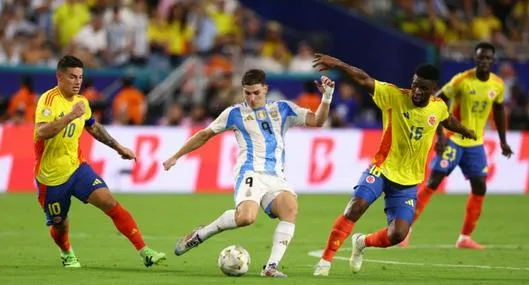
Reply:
x=318, y=253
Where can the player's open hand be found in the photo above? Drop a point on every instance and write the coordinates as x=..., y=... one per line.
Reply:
x=324, y=62
x=326, y=86
x=169, y=163
x=506, y=150
x=126, y=153
x=78, y=110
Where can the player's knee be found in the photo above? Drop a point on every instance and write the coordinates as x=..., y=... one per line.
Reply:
x=433, y=185
x=59, y=224
x=397, y=235
x=290, y=212
x=244, y=219
x=435, y=180
x=479, y=186
x=107, y=205
x=356, y=210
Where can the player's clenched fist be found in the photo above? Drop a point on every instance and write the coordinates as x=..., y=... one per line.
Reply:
x=169, y=163
x=506, y=150
x=78, y=110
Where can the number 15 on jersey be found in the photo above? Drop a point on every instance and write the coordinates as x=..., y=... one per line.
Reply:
x=416, y=132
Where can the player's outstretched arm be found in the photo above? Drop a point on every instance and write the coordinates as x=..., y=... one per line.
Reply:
x=196, y=141
x=99, y=133
x=452, y=124
x=324, y=62
x=50, y=129
x=326, y=87
x=499, y=120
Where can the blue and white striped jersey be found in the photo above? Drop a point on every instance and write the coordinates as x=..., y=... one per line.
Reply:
x=260, y=134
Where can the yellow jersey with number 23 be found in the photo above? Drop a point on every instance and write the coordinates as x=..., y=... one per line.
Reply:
x=471, y=102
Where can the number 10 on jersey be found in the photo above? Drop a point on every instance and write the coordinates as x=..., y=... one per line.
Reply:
x=69, y=130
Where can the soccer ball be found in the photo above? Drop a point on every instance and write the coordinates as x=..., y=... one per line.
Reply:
x=234, y=260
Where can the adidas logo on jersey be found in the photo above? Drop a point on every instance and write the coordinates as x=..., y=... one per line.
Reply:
x=406, y=115
x=248, y=118
x=96, y=182
x=410, y=203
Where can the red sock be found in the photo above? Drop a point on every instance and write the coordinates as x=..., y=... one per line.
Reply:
x=474, y=204
x=423, y=197
x=61, y=237
x=341, y=229
x=126, y=225
x=378, y=239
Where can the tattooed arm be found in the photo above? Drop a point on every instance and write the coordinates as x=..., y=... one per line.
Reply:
x=99, y=133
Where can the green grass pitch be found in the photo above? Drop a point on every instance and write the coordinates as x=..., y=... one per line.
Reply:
x=30, y=257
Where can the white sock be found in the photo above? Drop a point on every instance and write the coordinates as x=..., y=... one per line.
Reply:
x=226, y=221
x=463, y=237
x=324, y=263
x=282, y=236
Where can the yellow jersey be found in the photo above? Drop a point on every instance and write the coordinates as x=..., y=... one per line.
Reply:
x=407, y=135
x=471, y=102
x=58, y=157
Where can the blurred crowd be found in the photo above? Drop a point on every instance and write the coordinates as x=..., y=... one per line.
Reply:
x=156, y=35
x=350, y=107
x=116, y=33
x=159, y=35
x=455, y=25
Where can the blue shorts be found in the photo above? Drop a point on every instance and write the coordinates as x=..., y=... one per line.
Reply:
x=399, y=200
x=472, y=160
x=55, y=200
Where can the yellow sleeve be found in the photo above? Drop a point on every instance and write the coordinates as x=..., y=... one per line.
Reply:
x=88, y=111
x=385, y=94
x=444, y=112
x=451, y=89
x=43, y=112
x=499, y=98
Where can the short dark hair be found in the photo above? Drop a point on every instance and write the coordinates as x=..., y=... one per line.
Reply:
x=69, y=61
x=254, y=76
x=427, y=71
x=485, y=45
